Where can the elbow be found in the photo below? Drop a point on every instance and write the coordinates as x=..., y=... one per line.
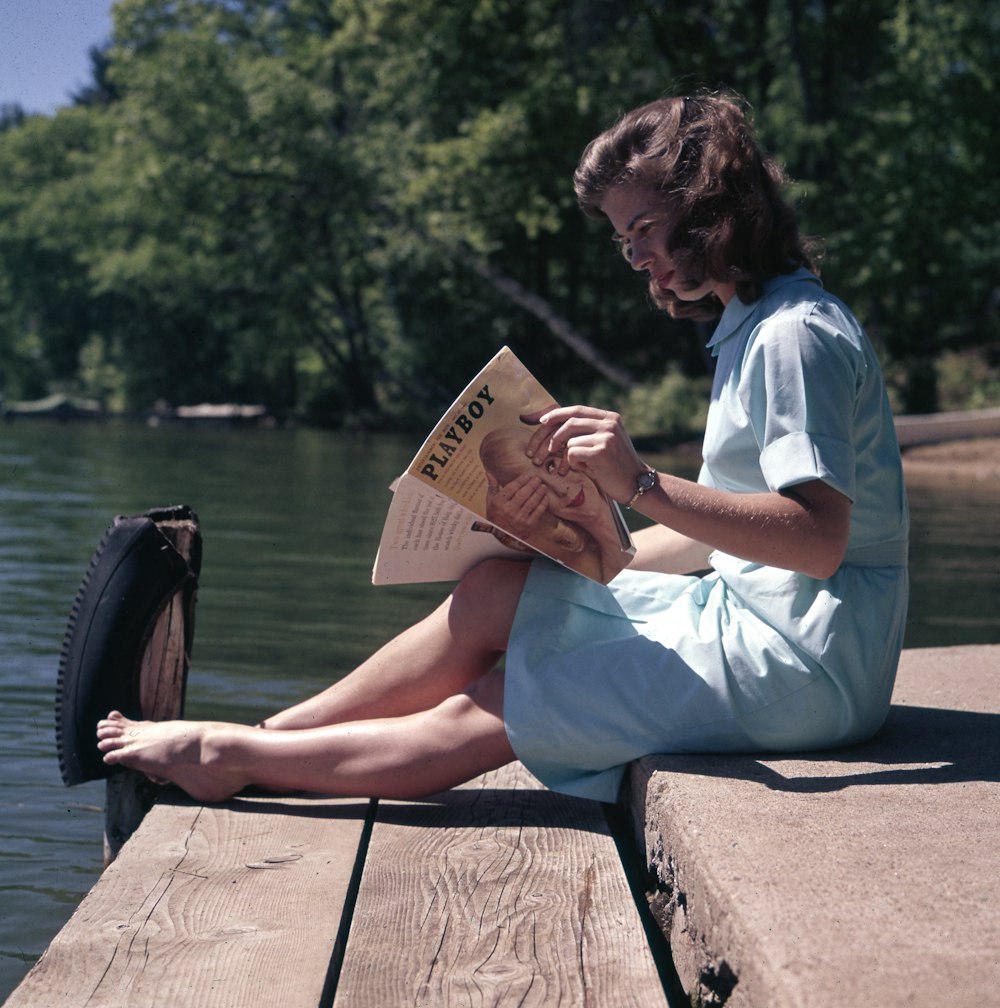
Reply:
x=826, y=530
x=822, y=571
x=827, y=560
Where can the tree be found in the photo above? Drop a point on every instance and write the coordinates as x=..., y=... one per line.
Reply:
x=921, y=240
x=342, y=207
x=47, y=307
x=237, y=202
x=99, y=90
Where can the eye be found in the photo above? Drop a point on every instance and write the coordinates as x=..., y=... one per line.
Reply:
x=641, y=229
x=551, y=464
x=623, y=245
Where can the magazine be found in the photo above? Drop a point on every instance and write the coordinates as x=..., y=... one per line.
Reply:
x=441, y=518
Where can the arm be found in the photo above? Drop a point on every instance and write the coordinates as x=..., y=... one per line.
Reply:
x=804, y=528
x=661, y=549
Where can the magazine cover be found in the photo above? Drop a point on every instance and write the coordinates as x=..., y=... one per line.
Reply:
x=441, y=520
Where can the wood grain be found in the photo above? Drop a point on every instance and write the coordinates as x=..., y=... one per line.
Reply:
x=181, y=919
x=164, y=664
x=163, y=670
x=497, y=893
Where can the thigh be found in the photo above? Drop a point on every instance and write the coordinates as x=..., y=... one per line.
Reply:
x=483, y=605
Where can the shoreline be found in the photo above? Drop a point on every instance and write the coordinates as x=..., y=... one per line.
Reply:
x=977, y=459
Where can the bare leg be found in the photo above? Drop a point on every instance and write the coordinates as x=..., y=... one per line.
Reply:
x=401, y=757
x=436, y=658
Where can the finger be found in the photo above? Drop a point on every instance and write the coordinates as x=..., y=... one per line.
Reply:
x=545, y=441
x=560, y=414
x=518, y=482
x=604, y=429
x=535, y=416
x=529, y=493
x=537, y=447
x=532, y=505
x=537, y=509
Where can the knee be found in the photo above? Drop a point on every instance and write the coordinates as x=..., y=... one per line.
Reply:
x=475, y=716
x=486, y=693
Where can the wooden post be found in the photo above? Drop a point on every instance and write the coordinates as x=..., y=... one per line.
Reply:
x=162, y=681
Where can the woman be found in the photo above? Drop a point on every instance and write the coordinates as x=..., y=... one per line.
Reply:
x=790, y=642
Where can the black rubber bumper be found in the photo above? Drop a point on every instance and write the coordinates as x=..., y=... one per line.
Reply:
x=134, y=574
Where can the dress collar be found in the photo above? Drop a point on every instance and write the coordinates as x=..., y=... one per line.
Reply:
x=736, y=312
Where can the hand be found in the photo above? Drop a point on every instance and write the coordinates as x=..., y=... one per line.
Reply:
x=589, y=440
x=518, y=506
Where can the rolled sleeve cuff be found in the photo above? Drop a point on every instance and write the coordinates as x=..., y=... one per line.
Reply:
x=799, y=457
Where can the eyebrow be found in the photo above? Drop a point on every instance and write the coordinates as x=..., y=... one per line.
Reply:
x=632, y=222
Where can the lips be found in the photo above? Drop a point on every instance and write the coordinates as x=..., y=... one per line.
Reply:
x=577, y=500
x=663, y=280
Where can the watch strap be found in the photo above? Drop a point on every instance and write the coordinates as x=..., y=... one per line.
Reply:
x=646, y=480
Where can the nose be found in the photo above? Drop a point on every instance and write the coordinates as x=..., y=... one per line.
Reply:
x=641, y=254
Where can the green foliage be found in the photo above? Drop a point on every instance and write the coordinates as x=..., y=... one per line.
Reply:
x=673, y=407
x=968, y=380
x=917, y=241
x=282, y=201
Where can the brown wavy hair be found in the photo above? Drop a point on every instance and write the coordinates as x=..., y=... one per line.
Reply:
x=722, y=194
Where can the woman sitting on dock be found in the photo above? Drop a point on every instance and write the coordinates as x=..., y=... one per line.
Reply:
x=788, y=643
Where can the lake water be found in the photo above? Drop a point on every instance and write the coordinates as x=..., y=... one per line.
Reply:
x=290, y=520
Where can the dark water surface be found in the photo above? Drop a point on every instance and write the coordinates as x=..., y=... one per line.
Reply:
x=291, y=521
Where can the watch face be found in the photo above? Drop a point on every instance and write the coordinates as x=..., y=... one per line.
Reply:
x=647, y=480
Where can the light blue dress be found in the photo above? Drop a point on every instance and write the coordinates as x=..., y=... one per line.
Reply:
x=748, y=658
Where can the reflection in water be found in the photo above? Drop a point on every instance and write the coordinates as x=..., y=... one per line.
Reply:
x=291, y=521
x=954, y=562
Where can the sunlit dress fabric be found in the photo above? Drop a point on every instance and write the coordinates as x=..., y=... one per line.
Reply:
x=747, y=658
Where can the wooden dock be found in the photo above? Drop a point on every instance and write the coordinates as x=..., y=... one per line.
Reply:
x=496, y=893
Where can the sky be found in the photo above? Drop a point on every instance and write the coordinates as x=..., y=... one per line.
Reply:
x=44, y=49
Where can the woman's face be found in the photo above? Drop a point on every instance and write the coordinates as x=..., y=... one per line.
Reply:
x=641, y=229
x=574, y=496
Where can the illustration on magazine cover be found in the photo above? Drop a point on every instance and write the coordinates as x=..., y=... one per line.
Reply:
x=444, y=515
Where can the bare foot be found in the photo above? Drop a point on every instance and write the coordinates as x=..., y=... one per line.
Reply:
x=185, y=753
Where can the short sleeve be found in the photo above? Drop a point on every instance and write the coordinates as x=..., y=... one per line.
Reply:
x=799, y=385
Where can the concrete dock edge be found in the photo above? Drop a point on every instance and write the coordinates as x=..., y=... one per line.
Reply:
x=862, y=876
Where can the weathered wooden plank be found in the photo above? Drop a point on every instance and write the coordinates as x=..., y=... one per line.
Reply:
x=497, y=893
x=162, y=675
x=192, y=912
x=165, y=660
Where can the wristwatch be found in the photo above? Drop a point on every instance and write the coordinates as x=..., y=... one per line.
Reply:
x=644, y=481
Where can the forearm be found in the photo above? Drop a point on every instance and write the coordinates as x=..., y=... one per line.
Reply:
x=661, y=549
x=803, y=529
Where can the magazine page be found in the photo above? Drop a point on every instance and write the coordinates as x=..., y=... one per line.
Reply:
x=428, y=537
x=478, y=448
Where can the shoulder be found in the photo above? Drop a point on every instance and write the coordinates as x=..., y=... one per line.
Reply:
x=802, y=313
x=804, y=336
